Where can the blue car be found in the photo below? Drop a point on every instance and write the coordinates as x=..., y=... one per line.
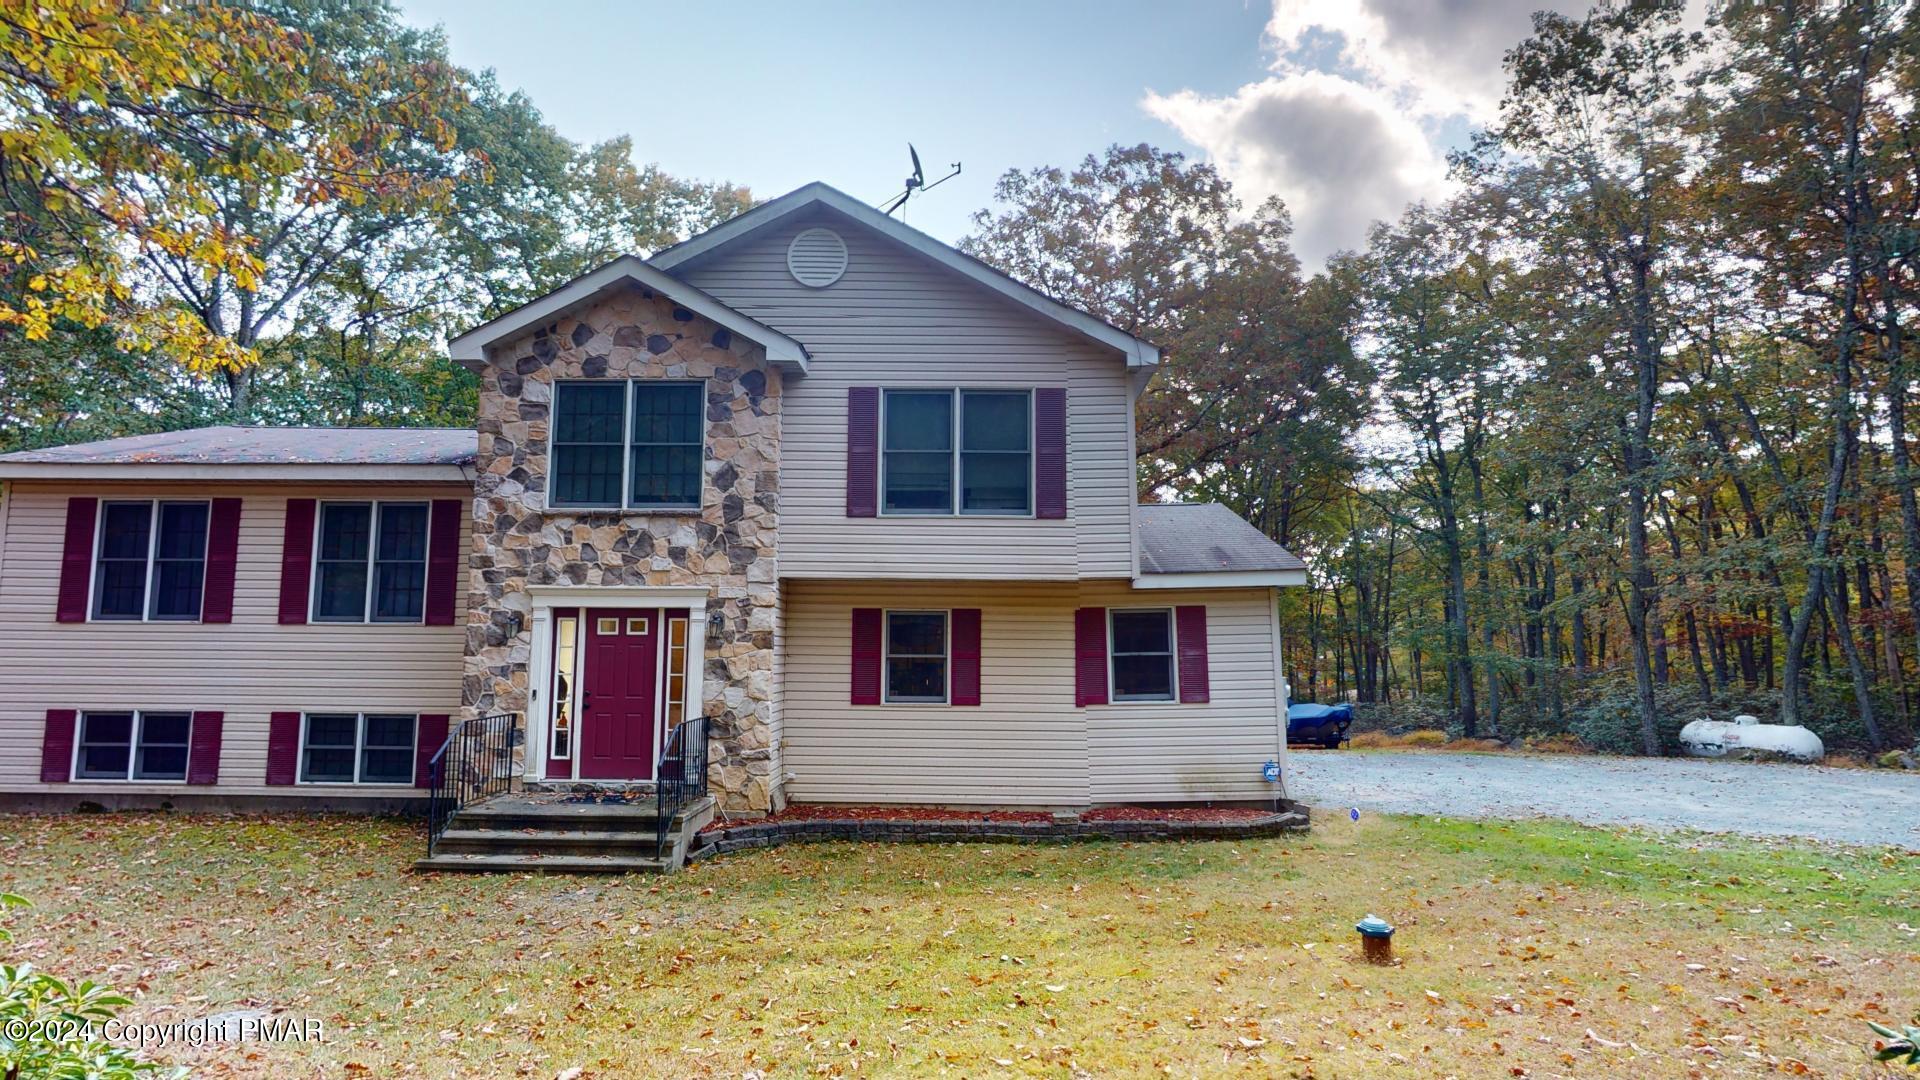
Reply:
x=1325, y=725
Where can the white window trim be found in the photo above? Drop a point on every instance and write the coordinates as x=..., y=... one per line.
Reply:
x=946, y=656
x=359, y=749
x=373, y=548
x=133, y=747
x=574, y=688
x=1173, y=659
x=153, y=547
x=956, y=452
x=626, y=504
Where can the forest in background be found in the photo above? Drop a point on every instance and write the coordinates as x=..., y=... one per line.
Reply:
x=1612, y=438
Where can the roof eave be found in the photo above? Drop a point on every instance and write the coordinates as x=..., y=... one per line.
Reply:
x=1138, y=353
x=469, y=350
x=421, y=472
x=1223, y=579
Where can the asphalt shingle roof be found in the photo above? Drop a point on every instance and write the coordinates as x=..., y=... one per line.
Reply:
x=1205, y=538
x=234, y=445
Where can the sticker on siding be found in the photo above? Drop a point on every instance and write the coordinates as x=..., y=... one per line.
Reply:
x=607, y=627
x=636, y=626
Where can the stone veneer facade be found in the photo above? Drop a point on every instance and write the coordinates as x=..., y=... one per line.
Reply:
x=729, y=546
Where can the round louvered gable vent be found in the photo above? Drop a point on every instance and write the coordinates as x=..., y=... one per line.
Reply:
x=817, y=258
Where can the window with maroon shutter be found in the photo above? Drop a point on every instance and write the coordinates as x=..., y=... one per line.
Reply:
x=866, y=656
x=223, y=555
x=863, y=451
x=283, y=748
x=1050, y=452
x=432, y=735
x=203, y=749
x=76, y=560
x=1090, y=656
x=1190, y=625
x=443, y=561
x=56, y=746
x=966, y=656
x=296, y=565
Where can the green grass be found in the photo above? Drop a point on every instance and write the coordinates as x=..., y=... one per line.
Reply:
x=1680, y=955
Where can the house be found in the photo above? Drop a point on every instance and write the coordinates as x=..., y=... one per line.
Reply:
x=862, y=502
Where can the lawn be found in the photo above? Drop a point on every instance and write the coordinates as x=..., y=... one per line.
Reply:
x=1526, y=949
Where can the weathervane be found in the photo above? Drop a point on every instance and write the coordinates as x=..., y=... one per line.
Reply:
x=917, y=182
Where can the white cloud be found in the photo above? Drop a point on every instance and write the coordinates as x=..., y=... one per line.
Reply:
x=1340, y=154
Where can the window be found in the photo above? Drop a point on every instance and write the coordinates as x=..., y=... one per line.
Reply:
x=916, y=655
x=371, y=557
x=676, y=671
x=989, y=465
x=357, y=748
x=1142, y=655
x=637, y=443
x=566, y=653
x=150, y=561
x=133, y=746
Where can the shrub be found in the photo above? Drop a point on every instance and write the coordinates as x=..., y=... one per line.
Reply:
x=1562, y=743
x=34, y=1006
x=1424, y=738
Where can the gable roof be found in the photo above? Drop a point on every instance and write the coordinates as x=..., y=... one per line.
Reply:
x=259, y=453
x=469, y=349
x=1138, y=353
x=1210, y=539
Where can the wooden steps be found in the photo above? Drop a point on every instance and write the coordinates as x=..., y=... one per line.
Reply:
x=523, y=834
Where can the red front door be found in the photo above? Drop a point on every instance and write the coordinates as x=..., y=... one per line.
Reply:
x=617, y=708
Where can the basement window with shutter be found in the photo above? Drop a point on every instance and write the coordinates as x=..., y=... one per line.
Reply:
x=1142, y=655
x=357, y=748
x=150, y=561
x=135, y=745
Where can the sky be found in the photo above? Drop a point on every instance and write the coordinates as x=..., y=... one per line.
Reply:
x=1343, y=108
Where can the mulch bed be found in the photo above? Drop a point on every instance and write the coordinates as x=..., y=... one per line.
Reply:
x=885, y=813
x=1217, y=814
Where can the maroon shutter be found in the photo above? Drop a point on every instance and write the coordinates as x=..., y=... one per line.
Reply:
x=283, y=748
x=866, y=656
x=1190, y=627
x=966, y=656
x=1090, y=656
x=223, y=555
x=76, y=562
x=203, y=748
x=296, y=563
x=1050, y=452
x=863, y=451
x=56, y=745
x=432, y=735
x=443, y=562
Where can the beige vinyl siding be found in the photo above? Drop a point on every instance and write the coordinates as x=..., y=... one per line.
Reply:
x=1026, y=744
x=247, y=669
x=897, y=320
x=1169, y=752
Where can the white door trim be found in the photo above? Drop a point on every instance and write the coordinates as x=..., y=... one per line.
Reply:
x=540, y=664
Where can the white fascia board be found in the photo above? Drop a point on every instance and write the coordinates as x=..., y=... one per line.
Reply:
x=1242, y=579
x=470, y=348
x=159, y=470
x=1138, y=353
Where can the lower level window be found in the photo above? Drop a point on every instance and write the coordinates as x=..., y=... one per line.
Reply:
x=1143, y=655
x=916, y=653
x=357, y=748
x=134, y=745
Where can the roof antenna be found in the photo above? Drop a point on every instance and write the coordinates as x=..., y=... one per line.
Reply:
x=917, y=182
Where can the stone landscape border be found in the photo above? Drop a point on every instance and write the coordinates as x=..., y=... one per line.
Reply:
x=751, y=836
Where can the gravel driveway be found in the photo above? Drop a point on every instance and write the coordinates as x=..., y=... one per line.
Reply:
x=1854, y=806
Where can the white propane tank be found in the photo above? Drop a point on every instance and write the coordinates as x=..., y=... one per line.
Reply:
x=1718, y=738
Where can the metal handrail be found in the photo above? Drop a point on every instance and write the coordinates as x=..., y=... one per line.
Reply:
x=682, y=773
x=475, y=762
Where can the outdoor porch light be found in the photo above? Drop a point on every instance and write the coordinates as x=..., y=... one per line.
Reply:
x=1376, y=938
